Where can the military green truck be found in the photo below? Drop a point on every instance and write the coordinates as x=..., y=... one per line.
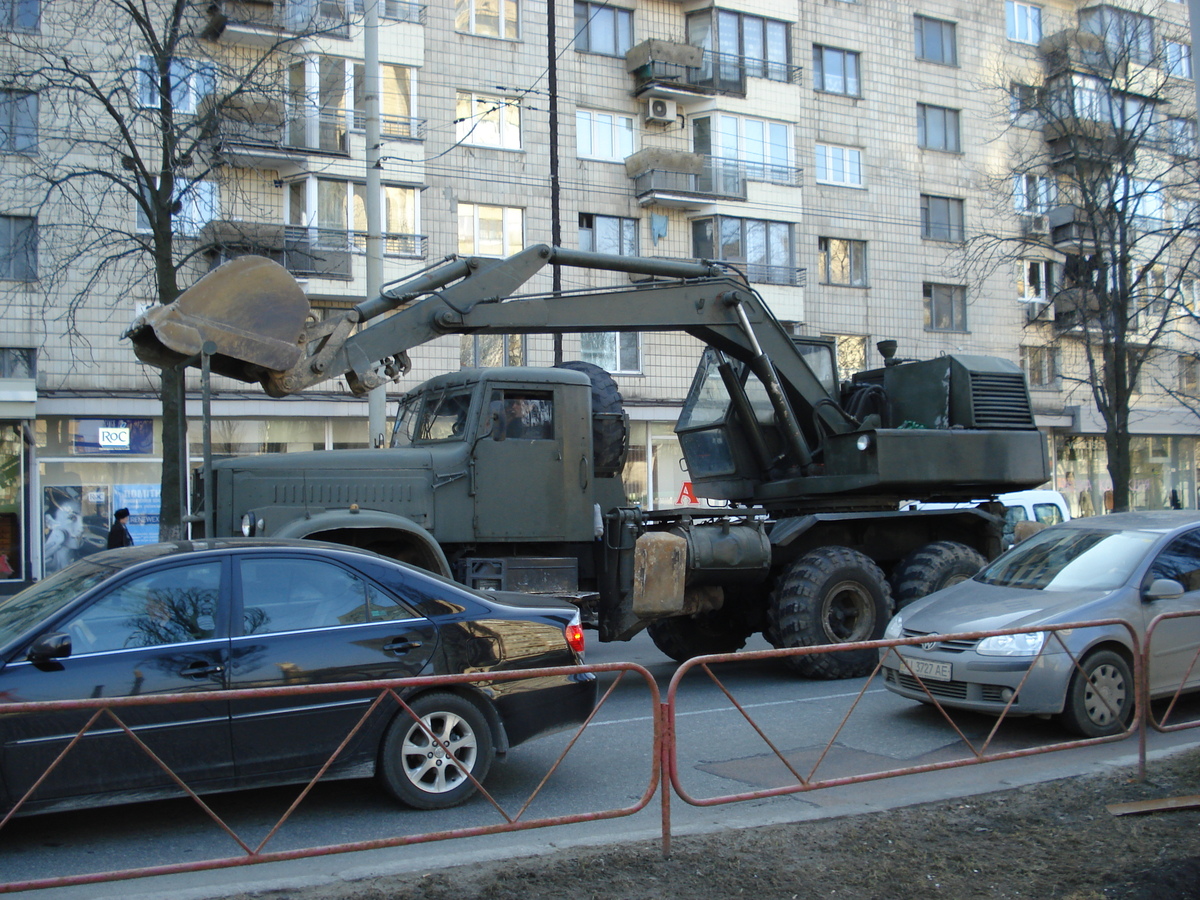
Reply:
x=510, y=478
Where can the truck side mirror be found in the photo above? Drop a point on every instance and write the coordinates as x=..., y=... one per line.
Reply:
x=497, y=427
x=50, y=646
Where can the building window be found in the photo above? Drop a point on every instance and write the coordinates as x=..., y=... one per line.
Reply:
x=195, y=206
x=18, y=362
x=488, y=121
x=395, y=101
x=1140, y=200
x=608, y=234
x=601, y=135
x=1033, y=195
x=1023, y=105
x=20, y=15
x=835, y=71
x=945, y=307
x=763, y=248
x=937, y=128
x=1035, y=280
x=600, y=28
x=1189, y=374
x=488, y=18
x=757, y=46
x=1178, y=59
x=337, y=212
x=1024, y=22
x=935, y=41
x=490, y=230
x=1041, y=367
x=18, y=121
x=839, y=165
x=488, y=350
x=1180, y=135
x=18, y=248
x=190, y=81
x=762, y=149
x=613, y=351
x=941, y=218
x=842, y=262
x=1127, y=35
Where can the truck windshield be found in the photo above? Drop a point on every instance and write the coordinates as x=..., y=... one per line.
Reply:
x=406, y=419
x=443, y=416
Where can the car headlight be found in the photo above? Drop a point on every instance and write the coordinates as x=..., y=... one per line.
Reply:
x=1026, y=644
x=895, y=628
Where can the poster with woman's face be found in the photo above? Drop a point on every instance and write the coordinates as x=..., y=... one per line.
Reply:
x=72, y=528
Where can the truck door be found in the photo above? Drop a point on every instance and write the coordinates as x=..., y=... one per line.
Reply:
x=533, y=471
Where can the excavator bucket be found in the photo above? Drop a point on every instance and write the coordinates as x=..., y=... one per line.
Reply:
x=250, y=308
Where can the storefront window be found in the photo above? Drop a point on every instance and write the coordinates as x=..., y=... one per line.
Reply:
x=12, y=502
x=1163, y=475
x=249, y=437
x=655, y=475
x=89, y=468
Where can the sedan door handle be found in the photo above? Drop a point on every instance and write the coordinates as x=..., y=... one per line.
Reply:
x=402, y=646
x=199, y=670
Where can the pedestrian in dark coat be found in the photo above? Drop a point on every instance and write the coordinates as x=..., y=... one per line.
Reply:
x=118, y=535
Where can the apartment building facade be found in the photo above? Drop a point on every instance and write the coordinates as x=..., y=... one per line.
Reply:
x=841, y=153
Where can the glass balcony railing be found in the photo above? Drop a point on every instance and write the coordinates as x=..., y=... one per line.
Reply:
x=717, y=179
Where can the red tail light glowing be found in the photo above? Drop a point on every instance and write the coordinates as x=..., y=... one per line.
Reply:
x=574, y=635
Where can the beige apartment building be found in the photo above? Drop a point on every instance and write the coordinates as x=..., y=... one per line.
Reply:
x=842, y=153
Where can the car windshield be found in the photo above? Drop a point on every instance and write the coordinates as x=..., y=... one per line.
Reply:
x=1071, y=559
x=22, y=611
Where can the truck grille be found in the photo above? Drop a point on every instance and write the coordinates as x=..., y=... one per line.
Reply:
x=1000, y=400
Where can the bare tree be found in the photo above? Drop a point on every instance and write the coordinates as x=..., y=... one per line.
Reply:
x=135, y=98
x=1102, y=196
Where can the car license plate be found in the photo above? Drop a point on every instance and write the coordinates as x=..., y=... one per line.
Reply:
x=925, y=668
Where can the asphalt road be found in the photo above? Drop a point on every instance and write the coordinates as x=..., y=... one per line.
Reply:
x=824, y=729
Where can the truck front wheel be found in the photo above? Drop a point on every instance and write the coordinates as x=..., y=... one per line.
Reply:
x=832, y=595
x=933, y=567
x=683, y=637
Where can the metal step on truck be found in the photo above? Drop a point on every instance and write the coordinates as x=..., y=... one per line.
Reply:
x=510, y=478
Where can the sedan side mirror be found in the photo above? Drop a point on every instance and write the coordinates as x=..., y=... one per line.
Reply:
x=54, y=645
x=1163, y=589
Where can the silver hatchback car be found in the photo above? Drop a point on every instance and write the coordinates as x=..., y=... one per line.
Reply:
x=1129, y=566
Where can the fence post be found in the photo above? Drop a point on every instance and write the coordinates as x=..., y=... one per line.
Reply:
x=666, y=753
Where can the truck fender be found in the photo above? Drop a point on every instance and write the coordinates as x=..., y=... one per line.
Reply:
x=371, y=529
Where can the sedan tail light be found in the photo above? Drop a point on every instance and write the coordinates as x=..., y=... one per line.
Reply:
x=574, y=636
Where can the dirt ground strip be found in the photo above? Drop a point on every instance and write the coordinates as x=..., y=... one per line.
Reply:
x=1053, y=840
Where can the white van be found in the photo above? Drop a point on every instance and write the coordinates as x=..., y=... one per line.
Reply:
x=1044, y=508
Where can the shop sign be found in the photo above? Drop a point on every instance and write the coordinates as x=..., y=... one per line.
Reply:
x=112, y=436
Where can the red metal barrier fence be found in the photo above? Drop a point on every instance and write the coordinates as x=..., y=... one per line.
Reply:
x=1189, y=653
x=109, y=710
x=663, y=755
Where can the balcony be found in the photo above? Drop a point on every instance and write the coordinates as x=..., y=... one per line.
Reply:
x=265, y=135
x=304, y=252
x=262, y=23
x=1069, y=230
x=692, y=181
x=685, y=73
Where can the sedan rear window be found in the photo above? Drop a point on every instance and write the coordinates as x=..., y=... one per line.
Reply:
x=1071, y=560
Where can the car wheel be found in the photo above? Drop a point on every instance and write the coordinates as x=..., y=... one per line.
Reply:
x=416, y=769
x=1100, y=700
x=933, y=567
x=832, y=595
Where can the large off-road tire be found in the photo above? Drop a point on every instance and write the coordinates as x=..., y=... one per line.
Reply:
x=831, y=595
x=682, y=637
x=610, y=433
x=933, y=567
x=1100, y=700
x=417, y=771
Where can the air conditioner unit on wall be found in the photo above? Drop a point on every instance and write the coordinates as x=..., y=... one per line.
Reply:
x=1039, y=311
x=659, y=110
x=1037, y=225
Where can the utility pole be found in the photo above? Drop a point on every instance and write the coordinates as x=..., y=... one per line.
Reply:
x=555, y=198
x=377, y=397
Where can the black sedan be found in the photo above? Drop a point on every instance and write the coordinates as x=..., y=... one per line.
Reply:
x=231, y=614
